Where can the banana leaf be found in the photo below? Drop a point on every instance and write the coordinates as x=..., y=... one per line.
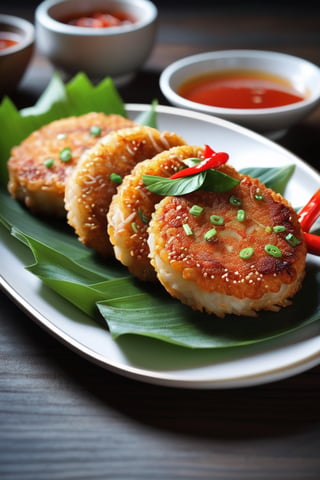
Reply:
x=105, y=290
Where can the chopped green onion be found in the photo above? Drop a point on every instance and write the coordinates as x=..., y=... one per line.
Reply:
x=216, y=220
x=187, y=229
x=49, y=162
x=115, y=178
x=143, y=218
x=95, y=131
x=210, y=234
x=235, y=201
x=258, y=196
x=272, y=250
x=246, y=253
x=134, y=227
x=65, y=154
x=292, y=240
x=196, y=210
x=278, y=228
x=241, y=215
x=268, y=229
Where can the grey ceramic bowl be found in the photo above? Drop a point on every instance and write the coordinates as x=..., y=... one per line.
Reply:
x=15, y=59
x=113, y=51
x=304, y=75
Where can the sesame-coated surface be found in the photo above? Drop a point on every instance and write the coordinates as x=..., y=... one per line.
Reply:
x=37, y=169
x=131, y=209
x=90, y=188
x=225, y=262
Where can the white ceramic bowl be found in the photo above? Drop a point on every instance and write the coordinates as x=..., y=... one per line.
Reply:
x=303, y=75
x=15, y=59
x=112, y=51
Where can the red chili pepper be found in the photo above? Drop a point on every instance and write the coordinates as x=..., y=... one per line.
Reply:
x=207, y=151
x=312, y=243
x=310, y=212
x=211, y=160
x=307, y=216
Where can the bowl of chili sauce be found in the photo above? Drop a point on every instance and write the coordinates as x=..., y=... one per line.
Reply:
x=99, y=37
x=261, y=90
x=16, y=48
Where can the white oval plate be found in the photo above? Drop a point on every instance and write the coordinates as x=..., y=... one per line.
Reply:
x=156, y=362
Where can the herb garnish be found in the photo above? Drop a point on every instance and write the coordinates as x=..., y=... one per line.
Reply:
x=210, y=180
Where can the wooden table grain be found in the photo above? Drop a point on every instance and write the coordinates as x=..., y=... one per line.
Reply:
x=62, y=417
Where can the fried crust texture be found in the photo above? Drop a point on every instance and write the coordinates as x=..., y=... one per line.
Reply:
x=243, y=253
x=132, y=206
x=40, y=166
x=91, y=186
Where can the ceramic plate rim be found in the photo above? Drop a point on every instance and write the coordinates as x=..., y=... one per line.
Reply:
x=167, y=378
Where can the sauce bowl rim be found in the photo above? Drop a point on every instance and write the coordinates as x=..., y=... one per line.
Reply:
x=167, y=76
x=44, y=18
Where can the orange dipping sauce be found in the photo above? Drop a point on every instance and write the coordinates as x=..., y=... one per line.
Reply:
x=6, y=42
x=240, y=89
x=101, y=20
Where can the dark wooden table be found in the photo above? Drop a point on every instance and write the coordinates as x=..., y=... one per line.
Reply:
x=62, y=417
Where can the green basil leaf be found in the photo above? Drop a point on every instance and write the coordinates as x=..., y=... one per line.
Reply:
x=219, y=182
x=191, y=162
x=127, y=306
x=174, y=186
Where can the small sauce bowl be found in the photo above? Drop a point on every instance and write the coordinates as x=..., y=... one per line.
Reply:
x=301, y=75
x=115, y=51
x=14, y=58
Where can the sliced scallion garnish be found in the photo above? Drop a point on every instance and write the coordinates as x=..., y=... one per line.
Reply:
x=187, y=229
x=216, y=220
x=65, y=154
x=196, y=210
x=95, y=131
x=235, y=201
x=273, y=250
x=115, y=178
x=49, y=162
x=210, y=234
x=241, y=215
x=292, y=240
x=246, y=253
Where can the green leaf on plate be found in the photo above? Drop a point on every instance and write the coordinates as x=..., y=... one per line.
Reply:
x=105, y=290
x=149, y=117
x=77, y=97
x=274, y=178
x=136, y=308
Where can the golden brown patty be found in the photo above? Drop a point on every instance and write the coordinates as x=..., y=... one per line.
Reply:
x=132, y=206
x=37, y=167
x=90, y=188
x=243, y=253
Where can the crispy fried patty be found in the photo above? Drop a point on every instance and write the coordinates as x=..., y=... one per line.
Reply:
x=40, y=165
x=132, y=206
x=91, y=186
x=242, y=253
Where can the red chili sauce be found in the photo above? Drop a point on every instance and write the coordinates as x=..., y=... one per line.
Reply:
x=101, y=20
x=6, y=42
x=240, y=89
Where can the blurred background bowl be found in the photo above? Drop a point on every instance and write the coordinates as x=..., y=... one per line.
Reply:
x=118, y=52
x=273, y=121
x=14, y=59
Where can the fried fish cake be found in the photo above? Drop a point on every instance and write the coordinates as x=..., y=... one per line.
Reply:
x=132, y=206
x=241, y=253
x=92, y=184
x=41, y=164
